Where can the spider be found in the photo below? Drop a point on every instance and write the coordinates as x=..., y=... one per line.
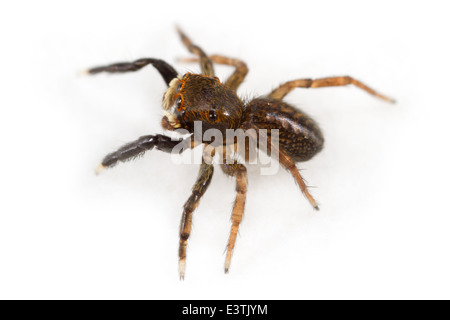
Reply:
x=204, y=98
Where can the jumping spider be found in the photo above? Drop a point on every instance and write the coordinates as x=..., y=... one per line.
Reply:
x=202, y=97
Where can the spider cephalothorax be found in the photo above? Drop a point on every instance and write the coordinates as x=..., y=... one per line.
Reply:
x=194, y=99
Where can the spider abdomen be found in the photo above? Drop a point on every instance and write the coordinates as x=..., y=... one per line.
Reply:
x=208, y=109
x=299, y=135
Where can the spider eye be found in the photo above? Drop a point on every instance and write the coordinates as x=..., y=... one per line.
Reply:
x=212, y=115
x=178, y=102
x=179, y=87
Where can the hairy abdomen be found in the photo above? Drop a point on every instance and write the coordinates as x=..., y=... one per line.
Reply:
x=299, y=135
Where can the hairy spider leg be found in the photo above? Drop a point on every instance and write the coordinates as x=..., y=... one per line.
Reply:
x=166, y=70
x=198, y=190
x=285, y=160
x=240, y=172
x=280, y=92
x=138, y=147
x=289, y=164
x=205, y=62
x=236, y=78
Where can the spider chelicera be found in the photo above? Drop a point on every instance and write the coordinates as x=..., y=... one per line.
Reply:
x=203, y=98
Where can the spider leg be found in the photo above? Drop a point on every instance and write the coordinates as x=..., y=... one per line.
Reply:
x=280, y=92
x=198, y=190
x=205, y=62
x=236, y=78
x=240, y=172
x=289, y=164
x=166, y=70
x=285, y=160
x=138, y=147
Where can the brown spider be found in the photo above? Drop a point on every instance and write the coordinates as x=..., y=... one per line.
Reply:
x=202, y=97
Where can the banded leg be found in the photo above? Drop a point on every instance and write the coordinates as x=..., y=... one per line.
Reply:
x=285, y=160
x=240, y=172
x=137, y=148
x=198, y=190
x=205, y=63
x=280, y=92
x=237, y=77
x=166, y=70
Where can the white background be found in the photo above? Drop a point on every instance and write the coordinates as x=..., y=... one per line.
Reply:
x=381, y=181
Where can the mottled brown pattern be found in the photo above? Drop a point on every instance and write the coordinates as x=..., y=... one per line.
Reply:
x=237, y=77
x=299, y=135
x=202, y=97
